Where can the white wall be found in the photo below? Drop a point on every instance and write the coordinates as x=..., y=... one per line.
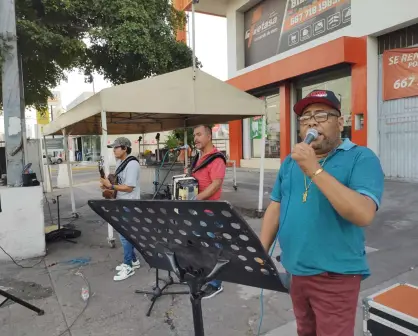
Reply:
x=368, y=17
x=22, y=222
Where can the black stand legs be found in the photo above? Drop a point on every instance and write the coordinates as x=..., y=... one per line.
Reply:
x=19, y=301
x=157, y=291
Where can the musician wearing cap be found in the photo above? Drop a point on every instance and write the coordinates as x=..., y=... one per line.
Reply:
x=124, y=185
x=325, y=193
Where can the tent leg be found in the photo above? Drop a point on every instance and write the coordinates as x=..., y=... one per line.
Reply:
x=262, y=157
x=104, y=154
x=70, y=173
x=186, y=150
x=48, y=167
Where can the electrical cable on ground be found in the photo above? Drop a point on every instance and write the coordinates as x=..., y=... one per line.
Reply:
x=262, y=292
x=85, y=306
x=16, y=263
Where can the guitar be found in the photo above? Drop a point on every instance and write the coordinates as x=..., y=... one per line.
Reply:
x=107, y=193
x=101, y=168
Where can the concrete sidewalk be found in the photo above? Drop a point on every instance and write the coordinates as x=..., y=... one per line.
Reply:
x=113, y=309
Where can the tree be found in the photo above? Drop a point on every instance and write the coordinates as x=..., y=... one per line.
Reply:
x=176, y=138
x=124, y=40
x=49, y=42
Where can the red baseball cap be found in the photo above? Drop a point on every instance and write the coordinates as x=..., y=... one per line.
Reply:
x=318, y=97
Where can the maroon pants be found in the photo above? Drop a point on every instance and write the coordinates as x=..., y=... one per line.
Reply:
x=325, y=304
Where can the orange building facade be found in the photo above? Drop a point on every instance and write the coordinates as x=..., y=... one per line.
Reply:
x=280, y=50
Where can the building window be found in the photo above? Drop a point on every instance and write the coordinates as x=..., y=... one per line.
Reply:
x=91, y=148
x=272, y=146
x=342, y=89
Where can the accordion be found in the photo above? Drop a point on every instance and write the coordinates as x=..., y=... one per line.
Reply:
x=184, y=188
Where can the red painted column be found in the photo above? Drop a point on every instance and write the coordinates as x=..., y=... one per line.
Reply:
x=235, y=141
x=285, y=115
x=359, y=96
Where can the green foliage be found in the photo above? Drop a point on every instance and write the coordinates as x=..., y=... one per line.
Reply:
x=123, y=40
x=172, y=141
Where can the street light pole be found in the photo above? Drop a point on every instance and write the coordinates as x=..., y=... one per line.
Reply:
x=13, y=106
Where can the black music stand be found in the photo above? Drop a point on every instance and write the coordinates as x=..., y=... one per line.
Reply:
x=23, y=303
x=197, y=240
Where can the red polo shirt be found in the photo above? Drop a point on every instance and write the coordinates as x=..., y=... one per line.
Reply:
x=213, y=171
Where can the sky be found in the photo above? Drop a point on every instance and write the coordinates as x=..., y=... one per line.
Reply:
x=211, y=50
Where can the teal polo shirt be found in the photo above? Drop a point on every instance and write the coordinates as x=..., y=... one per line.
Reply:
x=313, y=237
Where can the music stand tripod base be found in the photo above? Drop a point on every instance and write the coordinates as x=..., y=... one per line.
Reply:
x=157, y=291
x=199, y=241
x=23, y=303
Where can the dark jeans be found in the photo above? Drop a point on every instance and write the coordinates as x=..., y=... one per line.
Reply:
x=128, y=251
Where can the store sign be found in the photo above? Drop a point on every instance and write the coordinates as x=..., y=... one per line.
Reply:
x=400, y=73
x=42, y=116
x=55, y=144
x=256, y=127
x=275, y=26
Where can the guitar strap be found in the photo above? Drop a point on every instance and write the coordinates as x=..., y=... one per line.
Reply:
x=124, y=163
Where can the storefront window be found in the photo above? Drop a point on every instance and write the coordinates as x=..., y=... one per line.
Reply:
x=342, y=89
x=272, y=146
x=91, y=148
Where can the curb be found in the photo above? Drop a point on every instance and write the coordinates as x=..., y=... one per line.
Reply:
x=78, y=168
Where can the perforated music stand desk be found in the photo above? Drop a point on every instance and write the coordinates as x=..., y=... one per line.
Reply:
x=197, y=240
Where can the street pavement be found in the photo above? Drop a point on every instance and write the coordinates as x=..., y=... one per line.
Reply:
x=246, y=178
x=113, y=309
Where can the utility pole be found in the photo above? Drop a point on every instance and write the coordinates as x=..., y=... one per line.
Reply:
x=13, y=105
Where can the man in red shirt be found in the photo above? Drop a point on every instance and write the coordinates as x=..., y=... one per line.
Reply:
x=210, y=180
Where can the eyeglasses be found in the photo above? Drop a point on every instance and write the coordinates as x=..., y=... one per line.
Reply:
x=319, y=117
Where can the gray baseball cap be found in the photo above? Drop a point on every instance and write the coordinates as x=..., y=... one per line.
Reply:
x=120, y=142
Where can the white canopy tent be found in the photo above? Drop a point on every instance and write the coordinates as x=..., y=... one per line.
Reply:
x=183, y=98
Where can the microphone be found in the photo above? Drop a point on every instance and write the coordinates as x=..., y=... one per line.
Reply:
x=311, y=135
x=180, y=148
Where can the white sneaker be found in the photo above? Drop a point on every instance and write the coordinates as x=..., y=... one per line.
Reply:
x=135, y=265
x=124, y=273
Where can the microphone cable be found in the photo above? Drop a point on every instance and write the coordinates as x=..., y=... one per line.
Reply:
x=262, y=293
x=270, y=254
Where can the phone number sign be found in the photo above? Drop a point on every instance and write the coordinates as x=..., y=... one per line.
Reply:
x=400, y=73
x=307, y=20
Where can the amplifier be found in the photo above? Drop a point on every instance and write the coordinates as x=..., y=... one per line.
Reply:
x=392, y=311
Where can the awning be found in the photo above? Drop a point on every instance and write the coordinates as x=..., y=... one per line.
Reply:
x=157, y=104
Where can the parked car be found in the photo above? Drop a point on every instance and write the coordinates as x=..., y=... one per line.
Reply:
x=52, y=159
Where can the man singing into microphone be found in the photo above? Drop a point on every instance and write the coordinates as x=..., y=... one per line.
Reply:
x=325, y=193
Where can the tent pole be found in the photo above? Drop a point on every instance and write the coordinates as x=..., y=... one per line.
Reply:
x=262, y=157
x=193, y=38
x=48, y=166
x=104, y=154
x=186, y=150
x=69, y=171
